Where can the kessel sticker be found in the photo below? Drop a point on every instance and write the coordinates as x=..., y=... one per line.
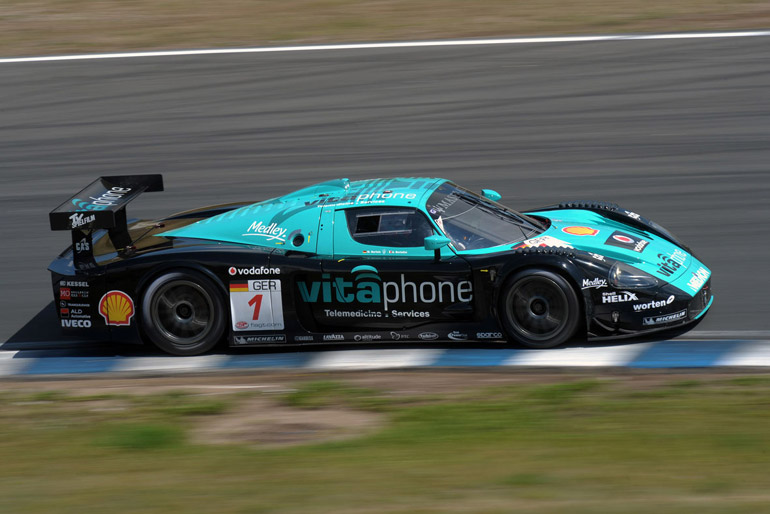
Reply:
x=256, y=305
x=627, y=241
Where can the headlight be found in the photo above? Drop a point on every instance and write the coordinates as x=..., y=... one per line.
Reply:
x=623, y=276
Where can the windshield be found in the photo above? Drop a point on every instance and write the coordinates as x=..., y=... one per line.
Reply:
x=473, y=222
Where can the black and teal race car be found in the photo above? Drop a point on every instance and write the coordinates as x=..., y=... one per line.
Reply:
x=402, y=259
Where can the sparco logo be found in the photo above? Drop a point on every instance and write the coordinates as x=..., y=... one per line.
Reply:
x=489, y=335
x=99, y=203
x=596, y=283
x=272, y=231
x=76, y=323
x=613, y=297
x=262, y=270
x=654, y=305
x=428, y=336
x=78, y=220
x=334, y=337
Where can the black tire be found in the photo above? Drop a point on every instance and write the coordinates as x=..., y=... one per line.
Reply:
x=539, y=309
x=183, y=313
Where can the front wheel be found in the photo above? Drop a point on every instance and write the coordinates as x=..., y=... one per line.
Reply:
x=539, y=309
x=183, y=313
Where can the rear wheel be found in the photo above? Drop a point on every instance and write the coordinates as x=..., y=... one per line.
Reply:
x=183, y=313
x=539, y=309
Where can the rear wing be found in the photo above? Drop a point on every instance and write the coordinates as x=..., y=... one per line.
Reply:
x=101, y=205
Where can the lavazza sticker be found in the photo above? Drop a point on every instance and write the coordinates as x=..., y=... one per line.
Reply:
x=256, y=305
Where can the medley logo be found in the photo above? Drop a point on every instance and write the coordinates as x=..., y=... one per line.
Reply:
x=271, y=232
x=109, y=198
x=368, y=287
x=595, y=283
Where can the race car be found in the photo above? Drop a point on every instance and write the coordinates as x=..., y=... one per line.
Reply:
x=402, y=259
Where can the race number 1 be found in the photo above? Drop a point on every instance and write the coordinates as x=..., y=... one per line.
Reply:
x=256, y=305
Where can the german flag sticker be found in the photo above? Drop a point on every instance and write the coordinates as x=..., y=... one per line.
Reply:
x=239, y=287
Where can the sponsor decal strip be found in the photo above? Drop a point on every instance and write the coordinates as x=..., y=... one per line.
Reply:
x=664, y=354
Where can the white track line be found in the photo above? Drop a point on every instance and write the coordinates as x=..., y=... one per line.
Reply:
x=402, y=44
x=606, y=356
x=170, y=364
x=373, y=359
x=754, y=353
x=9, y=365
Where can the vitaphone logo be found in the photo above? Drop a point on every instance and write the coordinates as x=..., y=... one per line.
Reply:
x=99, y=203
x=670, y=263
x=368, y=287
x=374, y=191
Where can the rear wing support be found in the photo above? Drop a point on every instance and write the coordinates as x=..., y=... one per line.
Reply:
x=101, y=205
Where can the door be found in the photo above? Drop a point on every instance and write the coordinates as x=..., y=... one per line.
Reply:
x=380, y=275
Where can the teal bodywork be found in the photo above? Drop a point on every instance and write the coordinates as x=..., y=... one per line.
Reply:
x=308, y=213
x=657, y=251
x=312, y=220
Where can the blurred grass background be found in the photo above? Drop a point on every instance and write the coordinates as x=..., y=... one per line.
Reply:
x=616, y=445
x=36, y=27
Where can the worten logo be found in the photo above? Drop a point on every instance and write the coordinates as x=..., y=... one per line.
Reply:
x=368, y=287
x=654, y=304
x=271, y=232
x=99, y=203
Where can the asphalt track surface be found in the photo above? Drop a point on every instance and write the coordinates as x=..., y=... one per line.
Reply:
x=678, y=130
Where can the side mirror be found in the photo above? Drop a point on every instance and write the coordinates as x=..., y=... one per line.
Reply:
x=491, y=194
x=436, y=242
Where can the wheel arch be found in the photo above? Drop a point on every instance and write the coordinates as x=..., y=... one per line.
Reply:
x=557, y=261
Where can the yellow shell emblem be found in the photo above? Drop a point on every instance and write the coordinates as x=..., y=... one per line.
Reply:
x=580, y=231
x=117, y=308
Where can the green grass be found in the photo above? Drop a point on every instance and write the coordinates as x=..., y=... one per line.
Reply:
x=586, y=446
x=74, y=26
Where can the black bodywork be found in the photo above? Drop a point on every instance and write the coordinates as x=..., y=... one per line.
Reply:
x=110, y=254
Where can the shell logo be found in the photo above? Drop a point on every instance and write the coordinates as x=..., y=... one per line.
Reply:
x=580, y=231
x=117, y=308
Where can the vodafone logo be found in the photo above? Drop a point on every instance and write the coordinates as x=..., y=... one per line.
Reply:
x=622, y=239
x=254, y=270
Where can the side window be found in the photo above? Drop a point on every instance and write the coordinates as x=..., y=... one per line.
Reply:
x=382, y=226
